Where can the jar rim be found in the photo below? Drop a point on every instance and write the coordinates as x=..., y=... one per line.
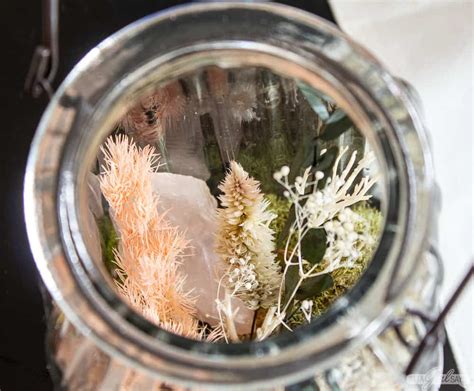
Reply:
x=51, y=189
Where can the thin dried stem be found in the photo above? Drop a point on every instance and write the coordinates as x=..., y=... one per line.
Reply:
x=326, y=208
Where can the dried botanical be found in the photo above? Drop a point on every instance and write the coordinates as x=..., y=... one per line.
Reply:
x=326, y=208
x=245, y=240
x=148, y=256
x=141, y=122
x=147, y=121
x=243, y=102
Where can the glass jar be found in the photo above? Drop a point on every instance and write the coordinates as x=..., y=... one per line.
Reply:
x=364, y=339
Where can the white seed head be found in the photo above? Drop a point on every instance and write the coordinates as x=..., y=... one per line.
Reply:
x=285, y=170
x=319, y=175
x=353, y=236
x=277, y=175
x=329, y=226
x=349, y=227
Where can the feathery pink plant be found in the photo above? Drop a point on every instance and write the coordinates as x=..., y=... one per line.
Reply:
x=149, y=252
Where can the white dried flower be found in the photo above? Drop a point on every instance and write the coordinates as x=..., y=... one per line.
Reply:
x=307, y=309
x=327, y=208
x=272, y=320
x=243, y=102
x=245, y=240
x=322, y=205
x=344, y=243
x=227, y=318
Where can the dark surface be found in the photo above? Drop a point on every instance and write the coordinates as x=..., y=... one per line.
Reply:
x=83, y=24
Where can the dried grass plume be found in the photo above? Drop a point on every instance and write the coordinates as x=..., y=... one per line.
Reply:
x=245, y=240
x=150, y=250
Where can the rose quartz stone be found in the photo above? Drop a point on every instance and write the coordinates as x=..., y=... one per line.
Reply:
x=190, y=206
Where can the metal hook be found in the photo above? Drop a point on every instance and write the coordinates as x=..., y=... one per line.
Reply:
x=430, y=336
x=45, y=61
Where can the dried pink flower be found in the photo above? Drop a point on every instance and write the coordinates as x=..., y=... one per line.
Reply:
x=171, y=103
x=150, y=250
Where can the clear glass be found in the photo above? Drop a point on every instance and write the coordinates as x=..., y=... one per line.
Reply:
x=242, y=68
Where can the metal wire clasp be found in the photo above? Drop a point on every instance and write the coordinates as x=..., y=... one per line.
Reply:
x=44, y=64
x=430, y=337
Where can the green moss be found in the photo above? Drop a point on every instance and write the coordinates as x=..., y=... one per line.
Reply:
x=281, y=207
x=373, y=220
x=345, y=278
x=109, y=242
x=255, y=161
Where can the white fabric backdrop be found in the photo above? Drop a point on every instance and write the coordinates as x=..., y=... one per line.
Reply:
x=430, y=44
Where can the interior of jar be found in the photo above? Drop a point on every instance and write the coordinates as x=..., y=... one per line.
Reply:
x=232, y=204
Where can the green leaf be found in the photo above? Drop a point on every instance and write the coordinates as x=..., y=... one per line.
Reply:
x=325, y=163
x=292, y=277
x=313, y=245
x=336, y=116
x=303, y=158
x=316, y=102
x=306, y=385
x=314, y=286
x=281, y=240
x=336, y=125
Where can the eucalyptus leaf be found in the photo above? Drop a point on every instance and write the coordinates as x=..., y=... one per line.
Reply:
x=336, y=126
x=336, y=116
x=292, y=277
x=316, y=102
x=313, y=246
x=326, y=161
x=304, y=158
x=314, y=286
x=286, y=228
